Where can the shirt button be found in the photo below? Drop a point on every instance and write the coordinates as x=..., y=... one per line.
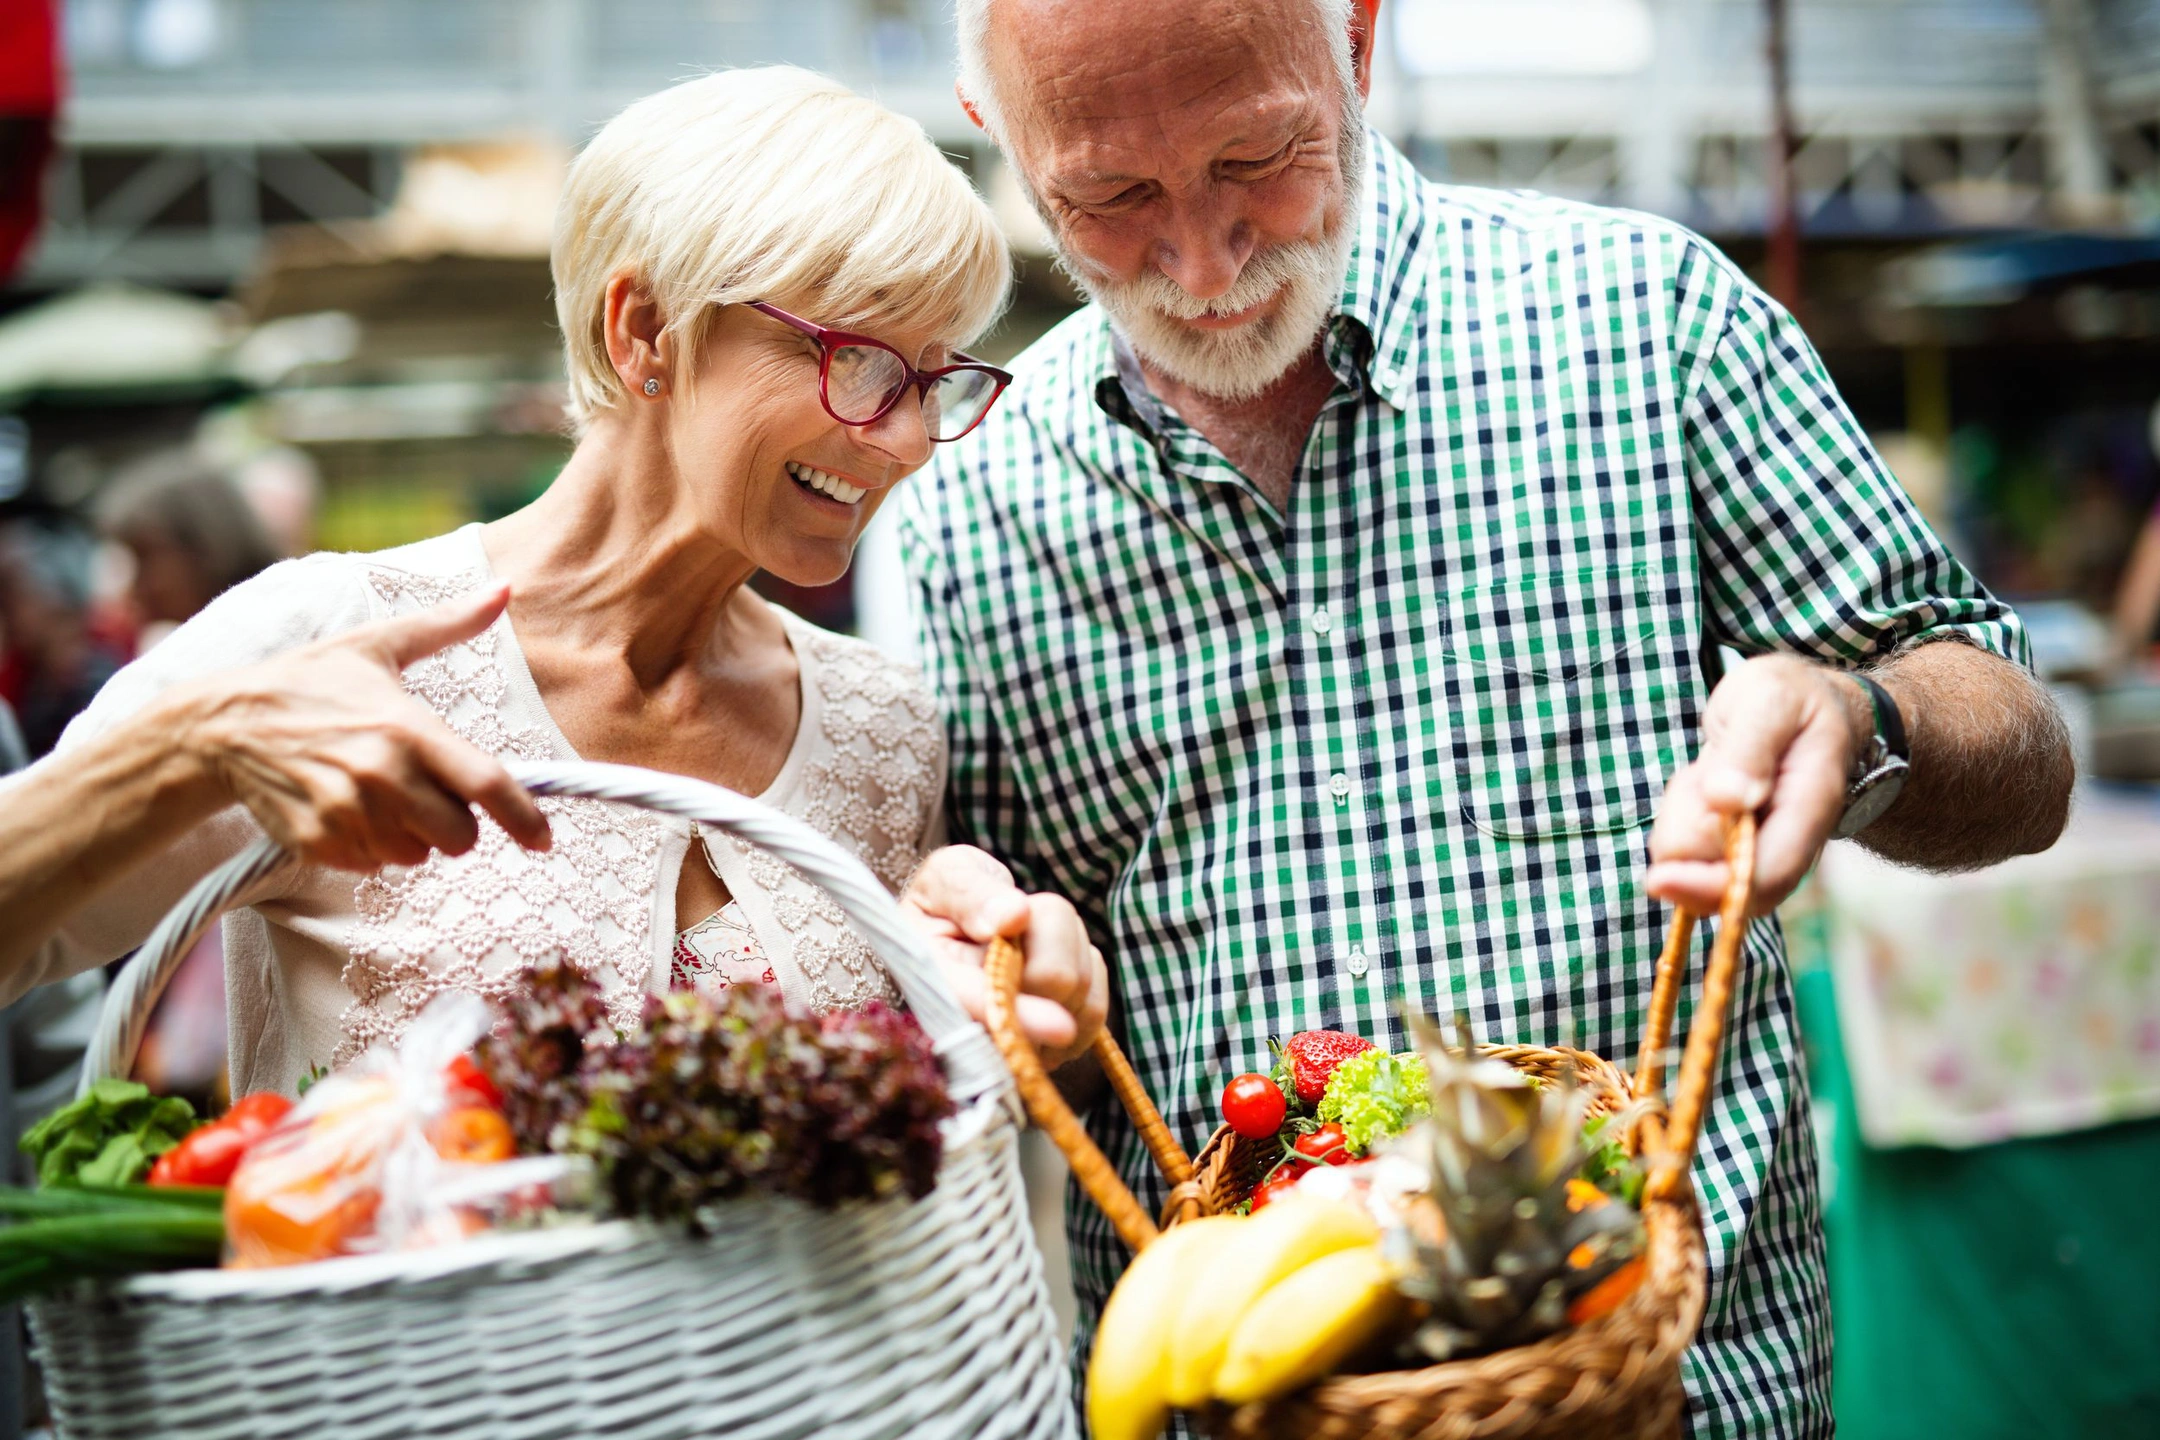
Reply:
x=1322, y=622
x=1357, y=964
x=1339, y=786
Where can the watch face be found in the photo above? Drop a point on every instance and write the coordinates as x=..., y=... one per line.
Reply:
x=1875, y=793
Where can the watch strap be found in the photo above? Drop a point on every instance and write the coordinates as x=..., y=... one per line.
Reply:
x=1889, y=723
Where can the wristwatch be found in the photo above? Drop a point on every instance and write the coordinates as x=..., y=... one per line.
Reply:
x=1879, y=770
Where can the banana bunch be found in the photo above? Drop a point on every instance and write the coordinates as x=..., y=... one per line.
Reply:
x=1236, y=1309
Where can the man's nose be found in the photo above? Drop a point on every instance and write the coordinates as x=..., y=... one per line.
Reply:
x=1203, y=251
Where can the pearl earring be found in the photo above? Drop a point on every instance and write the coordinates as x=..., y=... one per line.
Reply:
x=652, y=387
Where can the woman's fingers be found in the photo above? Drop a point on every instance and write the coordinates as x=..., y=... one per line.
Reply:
x=461, y=768
x=1064, y=986
x=407, y=638
x=965, y=891
x=1049, y=1026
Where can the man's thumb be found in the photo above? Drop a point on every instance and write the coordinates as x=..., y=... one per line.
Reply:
x=409, y=637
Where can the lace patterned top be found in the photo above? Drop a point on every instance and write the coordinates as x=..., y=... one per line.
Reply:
x=322, y=963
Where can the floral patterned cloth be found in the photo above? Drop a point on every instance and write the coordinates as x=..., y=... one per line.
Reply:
x=719, y=951
x=2015, y=1001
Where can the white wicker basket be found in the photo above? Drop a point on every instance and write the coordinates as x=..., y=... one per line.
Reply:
x=928, y=1318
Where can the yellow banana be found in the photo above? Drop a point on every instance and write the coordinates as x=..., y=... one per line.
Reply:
x=1125, y=1398
x=1308, y=1324
x=1288, y=1235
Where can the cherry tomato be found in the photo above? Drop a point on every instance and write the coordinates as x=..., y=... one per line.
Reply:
x=1325, y=1146
x=1284, y=1182
x=1253, y=1106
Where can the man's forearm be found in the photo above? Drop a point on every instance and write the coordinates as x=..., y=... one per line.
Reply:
x=1991, y=767
x=72, y=828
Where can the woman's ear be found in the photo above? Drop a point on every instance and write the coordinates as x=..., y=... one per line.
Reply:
x=636, y=337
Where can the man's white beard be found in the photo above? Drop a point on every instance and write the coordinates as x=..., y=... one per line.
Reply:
x=1239, y=364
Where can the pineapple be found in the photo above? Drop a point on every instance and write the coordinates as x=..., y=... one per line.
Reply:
x=1500, y=1252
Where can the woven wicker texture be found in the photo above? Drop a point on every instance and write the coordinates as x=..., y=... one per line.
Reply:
x=894, y=1319
x=1615, y=1378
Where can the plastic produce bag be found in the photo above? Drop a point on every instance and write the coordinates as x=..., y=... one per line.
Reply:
x=400, y=1150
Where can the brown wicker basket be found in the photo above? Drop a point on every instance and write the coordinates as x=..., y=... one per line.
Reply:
x=1614, y=1378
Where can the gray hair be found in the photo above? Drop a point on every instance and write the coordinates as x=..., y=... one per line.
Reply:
x=972, y=20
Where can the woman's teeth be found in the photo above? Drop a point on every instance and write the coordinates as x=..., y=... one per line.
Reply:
x=825, y=484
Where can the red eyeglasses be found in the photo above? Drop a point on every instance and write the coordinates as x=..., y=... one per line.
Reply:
x=860, y=379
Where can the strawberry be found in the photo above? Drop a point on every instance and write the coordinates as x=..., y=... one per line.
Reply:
x=1311, y=1057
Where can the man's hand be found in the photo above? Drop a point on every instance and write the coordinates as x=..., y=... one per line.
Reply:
x=963, y=899
x=337, y=763
x=1779, y=737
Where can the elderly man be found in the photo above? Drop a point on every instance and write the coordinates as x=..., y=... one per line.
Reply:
x=1339, y=598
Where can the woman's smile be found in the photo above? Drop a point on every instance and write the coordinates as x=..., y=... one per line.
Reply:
x=825, y=485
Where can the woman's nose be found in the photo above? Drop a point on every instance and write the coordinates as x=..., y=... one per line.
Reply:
x=901, y=432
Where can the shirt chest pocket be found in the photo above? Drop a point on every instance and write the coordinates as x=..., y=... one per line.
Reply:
x=1570, y=697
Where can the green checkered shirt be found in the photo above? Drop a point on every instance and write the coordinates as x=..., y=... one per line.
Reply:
x=1402, y=740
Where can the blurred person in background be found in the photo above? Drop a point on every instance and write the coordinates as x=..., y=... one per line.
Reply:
x=706, y=239
x=191, y=533
x=51, y=660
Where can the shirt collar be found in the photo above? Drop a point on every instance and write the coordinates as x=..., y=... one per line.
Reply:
x=1379, y=299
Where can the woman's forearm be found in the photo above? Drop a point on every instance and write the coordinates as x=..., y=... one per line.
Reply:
x=74, y=824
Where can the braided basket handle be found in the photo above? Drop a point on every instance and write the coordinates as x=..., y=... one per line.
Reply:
x=1706, y=1034
x=1048, y=1108
x=971, y=1064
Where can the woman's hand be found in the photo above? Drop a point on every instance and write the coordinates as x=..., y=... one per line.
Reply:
x=337, y=763
x=962, y=898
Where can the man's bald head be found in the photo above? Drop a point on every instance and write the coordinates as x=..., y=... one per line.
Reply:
x=1010, y=47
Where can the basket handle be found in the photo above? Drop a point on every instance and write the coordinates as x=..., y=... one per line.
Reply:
x=1048, y=1109
x=971, y=1062
x=1706, y=1033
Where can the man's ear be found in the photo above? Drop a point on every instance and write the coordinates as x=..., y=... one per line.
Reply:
x=1364, y=27
x=969, y=106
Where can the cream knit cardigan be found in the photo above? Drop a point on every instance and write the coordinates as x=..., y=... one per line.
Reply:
x=322, y=963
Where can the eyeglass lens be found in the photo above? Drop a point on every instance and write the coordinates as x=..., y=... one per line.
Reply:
x=863, y=379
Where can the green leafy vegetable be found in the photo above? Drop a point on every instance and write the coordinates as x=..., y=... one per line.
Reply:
x=1374, y=1095
x=108, y=1137
x=1609, y=1166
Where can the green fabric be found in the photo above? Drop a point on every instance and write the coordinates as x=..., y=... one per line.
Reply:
x=2008, y=1290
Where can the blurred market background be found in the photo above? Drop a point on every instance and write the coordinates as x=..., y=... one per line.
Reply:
x=275, y=279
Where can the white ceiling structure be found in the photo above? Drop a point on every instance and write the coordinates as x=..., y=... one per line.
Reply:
x=193, y=125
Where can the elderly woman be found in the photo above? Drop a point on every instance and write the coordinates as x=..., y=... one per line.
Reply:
x=763, y=281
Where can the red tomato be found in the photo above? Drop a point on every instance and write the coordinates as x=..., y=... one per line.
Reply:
x=258, y=1112
x=468, y=1084
x=1284, y=1182
x=1253, y=1106
x=1326, y=1146
x=210, y=1153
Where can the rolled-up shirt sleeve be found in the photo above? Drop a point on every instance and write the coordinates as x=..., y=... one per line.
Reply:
x=1808, y=543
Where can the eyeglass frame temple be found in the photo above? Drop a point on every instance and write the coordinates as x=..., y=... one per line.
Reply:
x=830, y=340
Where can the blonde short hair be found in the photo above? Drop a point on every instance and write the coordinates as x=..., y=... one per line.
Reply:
x=768, y=184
